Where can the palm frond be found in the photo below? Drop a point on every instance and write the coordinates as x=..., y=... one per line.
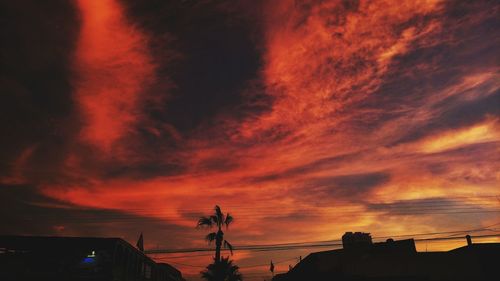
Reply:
x=222, y=270
x=220, y=215
x=233, y=273
x=214, y=219
x=229, y=246
x=207, y=275
x=229, y=220
x=204, y=222
x=211, y=237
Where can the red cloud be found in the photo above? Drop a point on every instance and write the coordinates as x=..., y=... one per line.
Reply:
x=112, y=69
x=319, y=62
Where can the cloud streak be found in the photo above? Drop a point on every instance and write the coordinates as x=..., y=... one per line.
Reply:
x=113, y=70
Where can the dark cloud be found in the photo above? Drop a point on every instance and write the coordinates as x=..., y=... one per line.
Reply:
x=206, y=61
x=455, y=115
x=355, y=187
x=217, y=58
x=35, y=105
x=436, y=63
x=146, y=170
x=427, y=206
x=218, y=164
x=475, y=166
x=25, y=211
x=465, y=113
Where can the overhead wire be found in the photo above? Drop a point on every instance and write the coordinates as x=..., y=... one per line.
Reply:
x=381, y=237
x=329, y=245
x=277, y=247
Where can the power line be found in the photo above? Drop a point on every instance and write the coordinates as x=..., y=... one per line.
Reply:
x=328, y=245
x=281, y=247
x=338, y=240
x=183, y=256
x=243, y=266
x=264, y=264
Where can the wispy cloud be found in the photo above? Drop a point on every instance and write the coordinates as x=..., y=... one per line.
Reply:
x=356, y=115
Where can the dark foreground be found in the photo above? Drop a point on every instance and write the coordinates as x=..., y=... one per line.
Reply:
x=360, y=259
x=78, y=259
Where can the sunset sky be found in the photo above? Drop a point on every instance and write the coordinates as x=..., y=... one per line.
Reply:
x=303, y=119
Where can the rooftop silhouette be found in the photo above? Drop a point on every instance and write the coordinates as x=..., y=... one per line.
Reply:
x=361, y=259
x=78, y=258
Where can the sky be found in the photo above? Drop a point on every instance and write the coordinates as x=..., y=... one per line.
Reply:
x=303, y=119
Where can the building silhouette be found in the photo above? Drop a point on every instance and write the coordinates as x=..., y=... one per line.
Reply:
x=356, y=240
x=361, y=259
x=77, y=259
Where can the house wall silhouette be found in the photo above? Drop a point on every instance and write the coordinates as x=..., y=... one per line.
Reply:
x=78, y=258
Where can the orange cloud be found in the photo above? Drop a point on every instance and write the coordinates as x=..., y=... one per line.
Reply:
x=485, y=132
x=317, y=66
x=307, y=160
x=325, y=56
x=112, y=70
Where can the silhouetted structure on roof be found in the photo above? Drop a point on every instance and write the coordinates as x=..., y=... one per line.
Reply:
x=356, y=240
x=396, y=260
x=78, y=258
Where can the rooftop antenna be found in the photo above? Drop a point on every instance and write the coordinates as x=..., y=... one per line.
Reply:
x=469, y=240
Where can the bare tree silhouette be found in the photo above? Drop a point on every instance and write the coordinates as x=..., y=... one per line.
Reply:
x=218, y=220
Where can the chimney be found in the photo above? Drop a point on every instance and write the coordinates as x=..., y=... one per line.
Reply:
x=469, y=240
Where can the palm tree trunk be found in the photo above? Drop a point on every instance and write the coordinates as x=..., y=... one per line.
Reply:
x=218, y=244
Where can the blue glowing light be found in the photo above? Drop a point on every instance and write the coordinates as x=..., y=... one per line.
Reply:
x=88, y=260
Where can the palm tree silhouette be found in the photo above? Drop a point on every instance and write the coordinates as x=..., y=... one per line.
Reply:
x=223, y=270
x=218, y=220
